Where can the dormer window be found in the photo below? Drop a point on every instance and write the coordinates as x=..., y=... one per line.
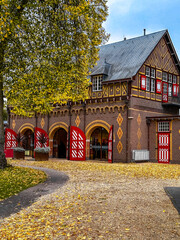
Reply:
x=97, y=83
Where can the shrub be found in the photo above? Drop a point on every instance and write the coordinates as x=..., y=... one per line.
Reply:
x=42, y=150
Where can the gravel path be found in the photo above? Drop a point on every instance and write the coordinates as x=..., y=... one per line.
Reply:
x=14, y=204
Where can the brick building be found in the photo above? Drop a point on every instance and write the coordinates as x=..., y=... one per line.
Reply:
x=135, y=88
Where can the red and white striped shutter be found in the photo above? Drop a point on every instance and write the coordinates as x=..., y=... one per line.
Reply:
x=163, y=147
x=110, y=145
x=10, y=142
x=143, y=82
x=37, y=134
x=175, y=90
x=158, y=86
x=77, y=144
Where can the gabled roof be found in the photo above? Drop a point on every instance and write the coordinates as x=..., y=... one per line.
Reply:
x=125, y=58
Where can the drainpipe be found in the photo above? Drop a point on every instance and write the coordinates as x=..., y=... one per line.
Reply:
x=69, y=106
x=148, y=125
x=36, y=119
x=48, y=124
x=101, y=145
x=69, y=129
x=127, y=117
x=84, y=107
x=127, y=129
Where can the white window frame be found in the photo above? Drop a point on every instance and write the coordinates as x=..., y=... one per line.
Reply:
x=153, y=84
x=147, y=71
x=153, y=73
x=97, y=83
x=164, y=76
x=148, y=84
x=174, y=79
x=170, y=78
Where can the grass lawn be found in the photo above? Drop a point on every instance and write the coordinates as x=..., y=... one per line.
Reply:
x=101, y=201
x=16, y=179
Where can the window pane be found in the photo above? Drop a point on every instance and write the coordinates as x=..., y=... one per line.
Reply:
x=170, y=78
x=165, y=89
x=152, y=72
x=147, y=84
x=94, y=86
x=97, y=83
x=174, y=90
x=147, y=71
x=174, y=79
x=152, y=85
x=164, y=77
x=170, y=90
x=163, y=127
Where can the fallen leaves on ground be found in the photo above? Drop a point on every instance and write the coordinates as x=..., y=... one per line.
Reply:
x=16, y=179
x=101, y=201
x=145, y=170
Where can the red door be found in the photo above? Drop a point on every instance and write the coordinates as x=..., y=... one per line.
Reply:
x=10, y=142
x=77, y=144
x=110, y=145
x=163, y=147
x=37, y=134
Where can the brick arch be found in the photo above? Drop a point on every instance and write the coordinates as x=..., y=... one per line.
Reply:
x=55, y=127
x=26, y=126
x=90, y=128
x=97, y=123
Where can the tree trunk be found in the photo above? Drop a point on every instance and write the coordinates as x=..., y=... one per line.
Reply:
x=3, y=162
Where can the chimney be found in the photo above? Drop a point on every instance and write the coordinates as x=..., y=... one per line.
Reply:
x=144, y=32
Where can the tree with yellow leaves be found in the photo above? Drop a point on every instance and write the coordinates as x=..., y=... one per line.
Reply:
x=47, y=48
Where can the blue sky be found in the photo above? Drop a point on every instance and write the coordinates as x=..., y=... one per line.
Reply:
x=128, y=18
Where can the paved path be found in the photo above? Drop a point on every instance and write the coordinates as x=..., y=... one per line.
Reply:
x=174, y=195
x=25, y=198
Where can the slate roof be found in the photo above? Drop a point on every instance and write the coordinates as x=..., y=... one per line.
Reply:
x=122, y=60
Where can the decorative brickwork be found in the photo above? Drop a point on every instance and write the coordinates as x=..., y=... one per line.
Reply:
x=77, y=121
x=42, y=122
x=13, y=124
x=119, y=133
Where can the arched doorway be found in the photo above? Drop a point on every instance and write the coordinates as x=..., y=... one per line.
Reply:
x=28, y=142
x=99, y=144
x=60, y=143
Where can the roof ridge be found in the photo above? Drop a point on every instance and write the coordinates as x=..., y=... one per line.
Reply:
x=165, y=30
